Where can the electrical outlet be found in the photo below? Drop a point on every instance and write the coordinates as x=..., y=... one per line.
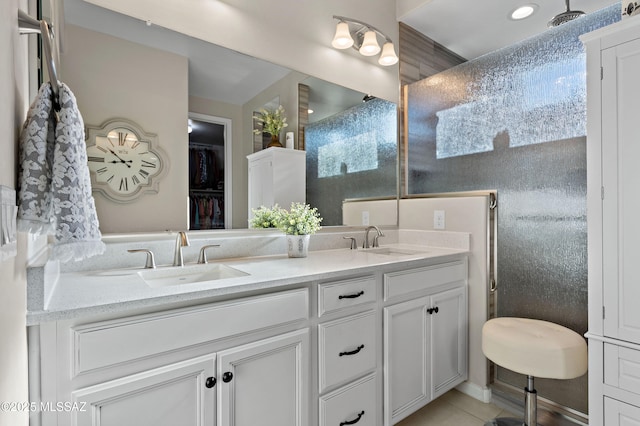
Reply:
x=438, y=219
x=365, y=218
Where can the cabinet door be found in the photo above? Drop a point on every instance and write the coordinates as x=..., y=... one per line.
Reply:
x=260, y=184
x=406, y=359
x=448, y=340
x=618, y=413
x=178, y=394
x=620, y=179
x=265, y=382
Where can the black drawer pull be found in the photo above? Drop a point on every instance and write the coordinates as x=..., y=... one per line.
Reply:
x=210, y=382
x=354, y=421
x=353, y=352
x=351, y=296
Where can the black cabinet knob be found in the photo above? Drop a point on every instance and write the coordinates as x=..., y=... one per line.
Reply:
x=227, y=377
x=210, y=382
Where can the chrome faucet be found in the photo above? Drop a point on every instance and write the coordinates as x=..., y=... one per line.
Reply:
x=181, y=241
x=365, y=243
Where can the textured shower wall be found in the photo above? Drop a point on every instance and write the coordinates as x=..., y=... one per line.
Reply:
x=515, y=120
x=351, y=155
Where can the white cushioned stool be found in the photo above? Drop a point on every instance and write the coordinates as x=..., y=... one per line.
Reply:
x=537, y=349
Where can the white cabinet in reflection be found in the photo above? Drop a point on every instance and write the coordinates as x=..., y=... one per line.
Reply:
x=276, y=176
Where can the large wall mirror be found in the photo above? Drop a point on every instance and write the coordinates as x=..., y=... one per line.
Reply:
x=120, y=67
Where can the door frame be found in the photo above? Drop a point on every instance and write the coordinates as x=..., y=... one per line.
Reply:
x=228, y=163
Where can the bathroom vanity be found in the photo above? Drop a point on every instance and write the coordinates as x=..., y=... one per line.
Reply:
x=342, y=337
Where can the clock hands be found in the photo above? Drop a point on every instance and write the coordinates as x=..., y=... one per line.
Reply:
x=121, y=160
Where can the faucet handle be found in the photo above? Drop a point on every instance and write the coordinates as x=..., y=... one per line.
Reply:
x=354, y=243
x=151, y=262
x=202, y=258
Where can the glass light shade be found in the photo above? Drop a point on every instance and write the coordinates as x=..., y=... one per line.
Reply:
x=342, y=39
x=370, y=44
x=523, y=11
x=388, y=56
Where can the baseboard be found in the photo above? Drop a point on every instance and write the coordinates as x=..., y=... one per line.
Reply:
x=475, y=391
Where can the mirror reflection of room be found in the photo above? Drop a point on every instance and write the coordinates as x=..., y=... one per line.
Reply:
x=170, y=76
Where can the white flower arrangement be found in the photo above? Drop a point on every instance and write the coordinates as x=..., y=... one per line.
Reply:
x=300, y=219
x=265, y=217
x=273, y=121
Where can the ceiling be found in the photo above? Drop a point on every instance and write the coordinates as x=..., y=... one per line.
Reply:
x=472, y=28
x=469, y=28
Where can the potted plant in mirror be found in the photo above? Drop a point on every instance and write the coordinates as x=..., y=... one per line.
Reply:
x=273, y=121
x=299, y=223
x=265, y=217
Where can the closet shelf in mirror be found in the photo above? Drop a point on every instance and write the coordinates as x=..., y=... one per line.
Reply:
x=207, y=191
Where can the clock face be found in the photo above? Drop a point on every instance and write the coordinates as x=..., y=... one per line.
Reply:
x=122, y=164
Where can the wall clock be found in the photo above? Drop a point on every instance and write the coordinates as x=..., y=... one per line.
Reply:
x=125, y=161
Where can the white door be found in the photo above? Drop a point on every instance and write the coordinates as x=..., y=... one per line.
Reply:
x=621, y=182
x=448, y=313
x=265, y=382
x=179, y=394
x=407, y=359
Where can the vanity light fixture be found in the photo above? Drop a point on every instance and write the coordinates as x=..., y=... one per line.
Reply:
x=364, y=38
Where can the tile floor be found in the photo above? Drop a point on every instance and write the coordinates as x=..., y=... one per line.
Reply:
x=454, y=409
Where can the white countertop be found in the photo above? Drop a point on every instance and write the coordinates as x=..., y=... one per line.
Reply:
x=85, y=293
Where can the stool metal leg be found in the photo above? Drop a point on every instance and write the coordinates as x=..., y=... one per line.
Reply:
x=530, y=409
x=530, y=403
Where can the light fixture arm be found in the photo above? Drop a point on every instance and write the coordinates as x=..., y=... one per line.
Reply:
x=363, y=25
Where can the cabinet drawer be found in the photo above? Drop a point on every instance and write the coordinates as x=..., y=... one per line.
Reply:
x=107, y=343
x=334, y=296
x=622, y=368
x=347, y=348
x=351, y=404
x=404, y=282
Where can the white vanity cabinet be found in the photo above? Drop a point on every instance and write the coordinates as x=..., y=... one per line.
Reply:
x=425, y=349
x=613, y=155
x=240, y=363
x=359, y=348
x=276, y=176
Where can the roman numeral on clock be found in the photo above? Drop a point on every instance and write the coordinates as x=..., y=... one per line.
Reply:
x=124, y=185
x=146, y=163
x=122, y=138
x=143, y=173
x=101, y=170
x=135, y=179
x=96, y=159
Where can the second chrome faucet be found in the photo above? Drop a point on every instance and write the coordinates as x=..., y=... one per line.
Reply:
x=365, y=243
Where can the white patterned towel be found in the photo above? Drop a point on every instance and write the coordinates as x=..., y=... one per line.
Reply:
x=54, y=183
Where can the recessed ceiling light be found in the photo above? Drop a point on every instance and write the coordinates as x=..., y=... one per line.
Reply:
x=523, y=11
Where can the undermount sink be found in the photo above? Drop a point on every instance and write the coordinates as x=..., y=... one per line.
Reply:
x=392, y=251
x=170, y=276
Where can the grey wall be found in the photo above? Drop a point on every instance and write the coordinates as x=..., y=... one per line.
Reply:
x=514, y=121
x=352, y=154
